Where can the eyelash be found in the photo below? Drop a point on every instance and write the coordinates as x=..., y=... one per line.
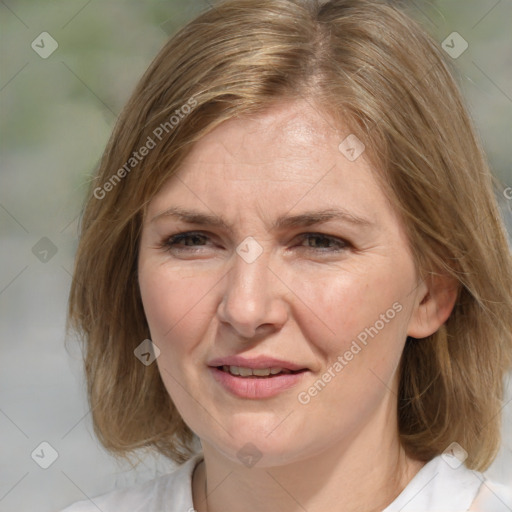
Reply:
x=169, y=243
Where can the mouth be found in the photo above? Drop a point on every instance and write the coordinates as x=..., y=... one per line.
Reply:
x=256, y=378
x=246, y=372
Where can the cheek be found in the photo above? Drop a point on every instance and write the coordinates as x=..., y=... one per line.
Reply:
x=351, y=305
x=368, y=316
x=173, y=303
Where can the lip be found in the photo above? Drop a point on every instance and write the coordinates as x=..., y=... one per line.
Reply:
x=256, y=363
x=256, y=388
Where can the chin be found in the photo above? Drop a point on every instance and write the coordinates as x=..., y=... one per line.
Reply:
x=259, y=443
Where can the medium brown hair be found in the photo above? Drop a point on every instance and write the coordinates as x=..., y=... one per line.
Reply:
x=364, y=62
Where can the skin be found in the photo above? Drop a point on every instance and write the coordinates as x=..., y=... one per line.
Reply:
x=303, y=300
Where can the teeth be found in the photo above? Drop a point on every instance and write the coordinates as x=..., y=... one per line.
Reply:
x=258, y=372
x=261, y=372
x=243, y=372
x=233, y=370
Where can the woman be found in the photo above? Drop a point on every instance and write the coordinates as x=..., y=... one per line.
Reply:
x=292, y=253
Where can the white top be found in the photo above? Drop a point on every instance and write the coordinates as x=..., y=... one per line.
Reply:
x=442, y=485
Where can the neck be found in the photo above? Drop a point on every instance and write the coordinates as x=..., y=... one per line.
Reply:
x=364, y=473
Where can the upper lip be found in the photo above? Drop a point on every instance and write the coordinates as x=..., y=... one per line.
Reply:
x=258, y=362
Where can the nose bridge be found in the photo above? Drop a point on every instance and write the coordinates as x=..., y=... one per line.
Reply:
x=252, y=294
x=248, y=284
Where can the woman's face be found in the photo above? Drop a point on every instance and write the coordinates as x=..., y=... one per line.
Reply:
x=290, y=259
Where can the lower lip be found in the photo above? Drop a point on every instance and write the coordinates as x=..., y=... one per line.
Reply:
x=256, y=387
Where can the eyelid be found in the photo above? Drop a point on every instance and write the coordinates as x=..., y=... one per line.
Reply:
x=183, y=235
x=339, y=244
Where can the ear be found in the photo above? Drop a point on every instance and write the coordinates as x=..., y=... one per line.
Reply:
x=435, y=300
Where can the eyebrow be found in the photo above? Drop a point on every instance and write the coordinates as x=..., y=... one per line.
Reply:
x=285, y=221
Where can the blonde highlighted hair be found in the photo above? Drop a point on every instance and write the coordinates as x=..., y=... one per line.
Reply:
x=365, y=63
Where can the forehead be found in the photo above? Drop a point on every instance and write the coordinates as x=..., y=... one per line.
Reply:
x=285, y=159
x=286, y=141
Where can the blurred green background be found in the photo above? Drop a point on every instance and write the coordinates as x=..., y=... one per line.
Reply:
x=56, y=116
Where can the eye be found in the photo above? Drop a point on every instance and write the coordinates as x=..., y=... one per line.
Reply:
x=324, y=243
x=194, y=241
x=185, y=241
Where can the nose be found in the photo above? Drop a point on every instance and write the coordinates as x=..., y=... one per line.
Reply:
x=253, y=301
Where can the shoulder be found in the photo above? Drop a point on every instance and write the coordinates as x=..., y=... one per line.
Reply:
x=493, y=497
x=171, y=492
x=446, y=484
